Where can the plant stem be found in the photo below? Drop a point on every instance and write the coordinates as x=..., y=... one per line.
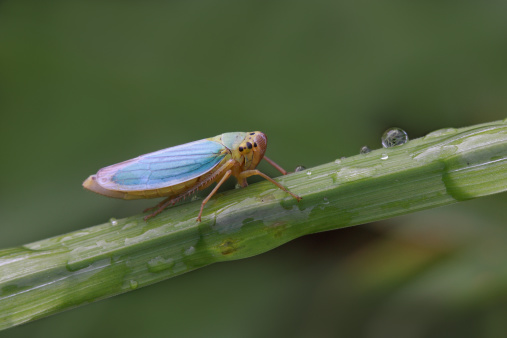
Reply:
x=62, y=272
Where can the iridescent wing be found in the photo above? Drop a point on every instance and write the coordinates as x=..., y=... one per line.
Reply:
x=163, y=168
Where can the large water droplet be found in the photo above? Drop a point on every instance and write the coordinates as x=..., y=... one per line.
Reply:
x=394, y=137
x=299, y=168
x=384, y=157
x=308, y=173
x=113, y=221
x=365, y=150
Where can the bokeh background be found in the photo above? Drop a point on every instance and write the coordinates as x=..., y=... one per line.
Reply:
x=84, y=84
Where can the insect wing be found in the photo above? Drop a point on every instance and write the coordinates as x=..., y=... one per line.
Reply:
x=163, y=168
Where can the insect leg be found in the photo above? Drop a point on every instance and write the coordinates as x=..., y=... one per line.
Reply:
x=248, y=173
x=224, y=178
x=158, y=205
x=277, y=167
x=204, y=183
x=161, y=206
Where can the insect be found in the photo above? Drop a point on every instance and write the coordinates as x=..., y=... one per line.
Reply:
x=178, y=172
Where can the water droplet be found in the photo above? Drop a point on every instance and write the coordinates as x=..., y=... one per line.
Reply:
x=299, y=168
x=133, y=284
x=365, y=150
x=384, y=157
x=159, y=264
x=237, y=186
x=441, y=132
x=326, y=201
x=394, y=137
x=338, y=161
x=129, y=225
x=113, y=221
x=194, y=198
x=190, y=251
x=308, y=173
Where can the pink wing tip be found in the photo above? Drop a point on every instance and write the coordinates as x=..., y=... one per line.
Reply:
x=91, y=184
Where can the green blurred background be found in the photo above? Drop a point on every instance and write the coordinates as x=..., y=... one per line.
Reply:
x=87, y=84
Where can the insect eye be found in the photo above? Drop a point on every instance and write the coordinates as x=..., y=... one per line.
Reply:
x=240, y=148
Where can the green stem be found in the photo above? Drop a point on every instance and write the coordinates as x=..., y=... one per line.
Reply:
x=55, y=274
